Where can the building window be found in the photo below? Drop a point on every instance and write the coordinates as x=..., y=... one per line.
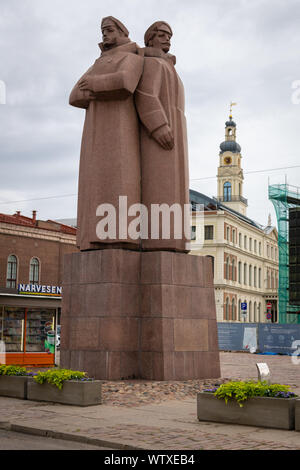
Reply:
x=250, y=275
x=255, y=277
x=245, y=242
x=255, y=246
x=250, y=312
x=193, y=232
x=233, y=270
x=209, y=232
x=11, y=276
x=233, y=236
x=240, y=310
x=259, y=248
x=227, y=191
x=250, y=244
x=227, y=268
x=240, y=240
x=259, y=278
x=233, y=310
x=245, y=273
x=268, y=251
x=240, y=272
x=255, y=313
x=227, y=233
x=227, y=309
x=259, y=312
x=34, y=272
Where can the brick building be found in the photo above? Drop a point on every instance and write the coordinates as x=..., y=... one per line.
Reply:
x=31, y=267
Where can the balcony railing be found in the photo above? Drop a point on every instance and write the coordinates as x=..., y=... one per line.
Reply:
x=233, y=199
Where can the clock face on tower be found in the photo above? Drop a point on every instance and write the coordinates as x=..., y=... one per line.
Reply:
x=227, y=160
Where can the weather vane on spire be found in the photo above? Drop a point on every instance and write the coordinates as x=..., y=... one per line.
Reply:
x=231, y=104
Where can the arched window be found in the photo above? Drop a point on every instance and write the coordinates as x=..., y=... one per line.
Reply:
x=245, y=273
x=233, y=270
x=259, y=312
x=240, y=272
x=245, y=242
x=11, y=276
x=255, y=277
x=255, y=312
x=34, y=272
x=227, y=267
x=240, y=240
x=227, y=191
x=259, y=278
x=250, y=275
x=250, y=312
x=240, y=313
x=227, y=309
x=233, y=315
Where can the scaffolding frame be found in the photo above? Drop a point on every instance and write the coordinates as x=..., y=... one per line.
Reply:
x=284, y=197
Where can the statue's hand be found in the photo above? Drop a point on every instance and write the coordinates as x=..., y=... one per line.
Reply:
x=164, y=137
x=85, y=84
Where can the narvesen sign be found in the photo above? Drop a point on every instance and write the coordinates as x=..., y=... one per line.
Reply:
x=34, y=289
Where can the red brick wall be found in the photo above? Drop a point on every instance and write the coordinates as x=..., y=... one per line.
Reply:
x=50, y=254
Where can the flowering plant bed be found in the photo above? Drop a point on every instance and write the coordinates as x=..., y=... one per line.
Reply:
x=248, y=403
x=64, y=386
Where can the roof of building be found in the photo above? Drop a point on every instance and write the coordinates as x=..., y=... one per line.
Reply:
x=214, y=204
x=33, y=222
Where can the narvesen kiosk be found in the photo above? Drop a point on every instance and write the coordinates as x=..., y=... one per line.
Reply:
x=28, y=320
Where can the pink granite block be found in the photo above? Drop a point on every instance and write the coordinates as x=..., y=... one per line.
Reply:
x=114, y=371
x=129, y=365
x=119, y=334
x=156, y=267
x=84, y=333
x=90, y=266
x=102, y=300
x=203, y=302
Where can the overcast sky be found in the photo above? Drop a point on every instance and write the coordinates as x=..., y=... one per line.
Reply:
x=246, y=51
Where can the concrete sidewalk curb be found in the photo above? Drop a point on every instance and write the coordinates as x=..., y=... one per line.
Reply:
x=66, y=436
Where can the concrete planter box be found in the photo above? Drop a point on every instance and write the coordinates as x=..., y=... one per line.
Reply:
x=73, y=392
x=297, y=415
x=278, y=413
x=13, y=386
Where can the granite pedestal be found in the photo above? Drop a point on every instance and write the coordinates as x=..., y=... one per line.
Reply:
x=142, y=315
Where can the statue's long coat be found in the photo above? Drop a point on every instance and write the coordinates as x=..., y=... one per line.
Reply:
x=110, y=155
x=159, y=100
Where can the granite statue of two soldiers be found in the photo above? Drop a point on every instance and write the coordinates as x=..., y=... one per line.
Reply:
x=134, y=141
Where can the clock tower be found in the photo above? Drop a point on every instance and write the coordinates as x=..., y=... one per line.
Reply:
x=230, y=173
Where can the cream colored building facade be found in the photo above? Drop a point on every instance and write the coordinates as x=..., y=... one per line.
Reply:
x=244, y=253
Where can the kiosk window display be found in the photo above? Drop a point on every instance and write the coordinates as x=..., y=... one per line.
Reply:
x=28, y=335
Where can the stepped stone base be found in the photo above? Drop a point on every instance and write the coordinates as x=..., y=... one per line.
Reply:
x=142, y=315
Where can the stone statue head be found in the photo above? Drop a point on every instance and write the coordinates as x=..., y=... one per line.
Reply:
x=114, y=33
x=158, y=35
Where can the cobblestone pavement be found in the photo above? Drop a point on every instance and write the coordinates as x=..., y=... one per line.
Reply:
x=161, y=415
x=239, y=366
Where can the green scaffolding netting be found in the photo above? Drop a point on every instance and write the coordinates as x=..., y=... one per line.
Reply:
x=284, y=197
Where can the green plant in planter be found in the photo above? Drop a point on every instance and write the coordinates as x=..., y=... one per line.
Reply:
x=57, y=377
x=13, y=370
x=241, y=391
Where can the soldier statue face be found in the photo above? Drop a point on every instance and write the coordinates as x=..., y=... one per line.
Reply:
x=161, y=40
x=111, y=35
